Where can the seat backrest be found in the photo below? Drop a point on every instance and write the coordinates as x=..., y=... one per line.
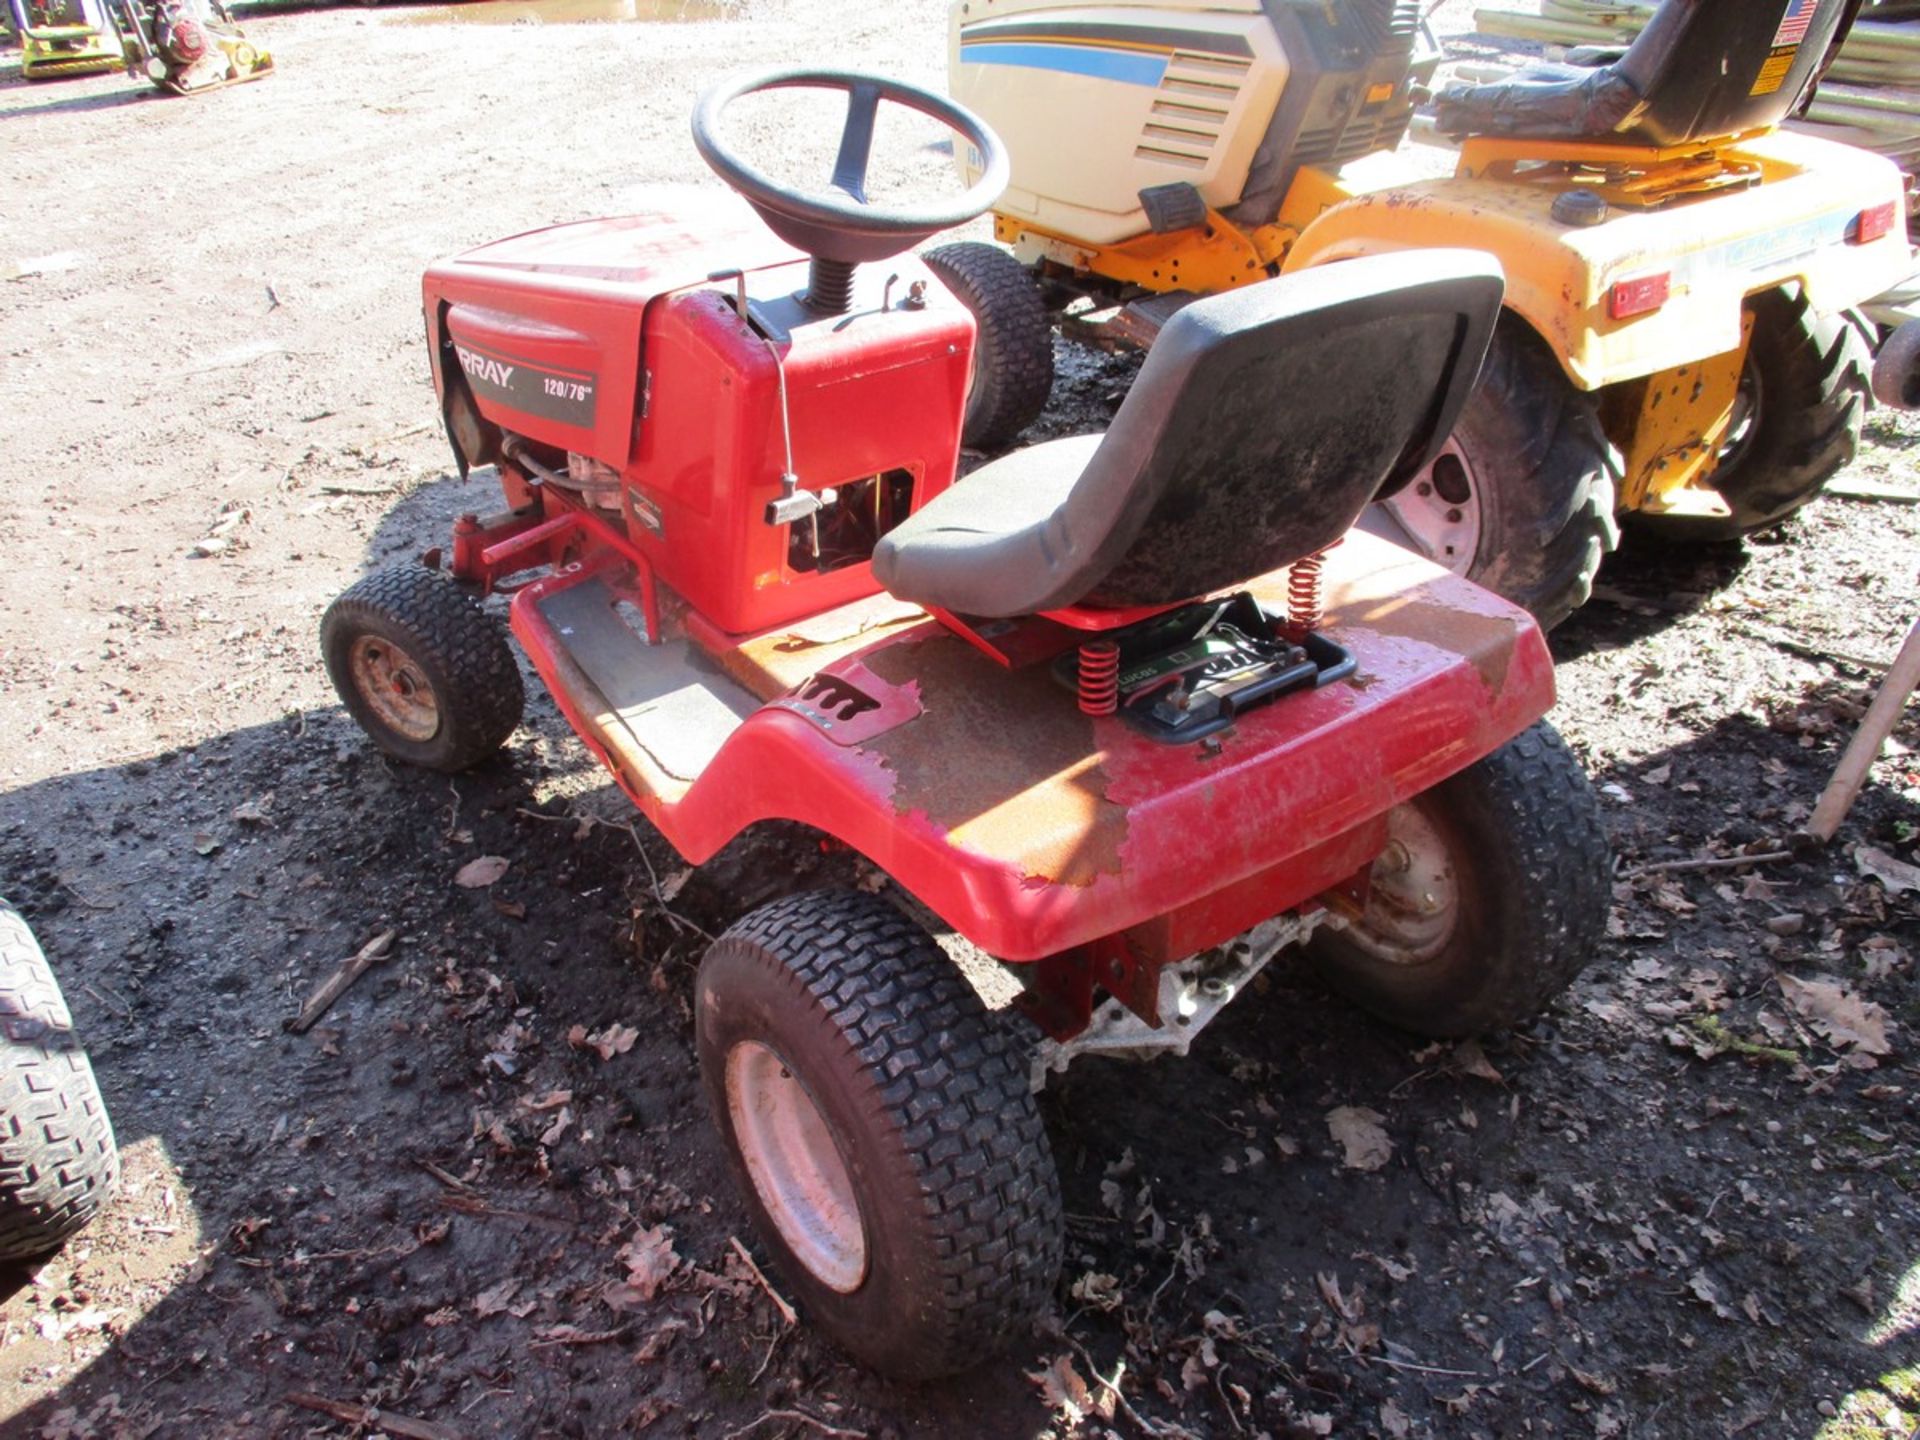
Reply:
x=1709, y=68
x=1264, y=420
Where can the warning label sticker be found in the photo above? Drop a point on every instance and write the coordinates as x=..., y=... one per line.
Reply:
x=1786, y=46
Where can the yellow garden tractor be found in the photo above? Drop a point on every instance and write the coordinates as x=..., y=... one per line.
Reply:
x=64, y=37
x=1673, y=350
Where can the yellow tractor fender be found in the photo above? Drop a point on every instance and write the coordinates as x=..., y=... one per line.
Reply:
x=1645, y=291
x=1542, y=279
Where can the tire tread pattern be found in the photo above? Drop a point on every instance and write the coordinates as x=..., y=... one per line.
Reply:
x=1013, y=349
x=461, y=647
x=952, y=1079
x=1542, y=444
x=1815, y=382
x=1539, y=785
x=1539, y=847
x=58, y=1162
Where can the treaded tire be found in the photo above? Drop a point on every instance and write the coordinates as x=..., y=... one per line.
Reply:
x=1013, y=350
x=58, y=1163
x=927, y=1100
x=1542, y=471
x=474, y=685
x=1810, y=376
x=1528, y=859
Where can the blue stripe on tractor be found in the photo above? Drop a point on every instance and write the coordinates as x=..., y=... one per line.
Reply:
x=1130, y=67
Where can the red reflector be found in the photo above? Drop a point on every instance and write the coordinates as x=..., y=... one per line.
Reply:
x=1870, y=225
x=1637, y=297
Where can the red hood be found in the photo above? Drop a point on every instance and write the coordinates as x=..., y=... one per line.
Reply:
x=704, y=230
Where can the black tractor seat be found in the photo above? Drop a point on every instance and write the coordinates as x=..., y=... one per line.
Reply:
x=1262, y=423
x=1701, y=70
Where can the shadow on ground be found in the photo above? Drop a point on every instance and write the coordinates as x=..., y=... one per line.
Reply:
x=420, y=1204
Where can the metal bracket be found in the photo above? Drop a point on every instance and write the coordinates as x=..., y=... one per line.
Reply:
x=1190, y=993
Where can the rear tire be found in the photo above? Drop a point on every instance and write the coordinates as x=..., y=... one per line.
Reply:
x=423, y=670
x=58, y=1162
x=1490, y=897
x=882, y=1129
x=1806, y=383
x=1521, y=500
x=1013, y=347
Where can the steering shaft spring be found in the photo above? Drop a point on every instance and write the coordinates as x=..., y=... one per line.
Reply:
x=1099, y=677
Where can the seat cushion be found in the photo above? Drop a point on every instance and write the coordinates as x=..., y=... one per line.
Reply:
x=1262, y=423
x=994, y=544
x=1542, y=102
x=1699, y=71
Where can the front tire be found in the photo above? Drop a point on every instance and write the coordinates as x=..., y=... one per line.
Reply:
x=1803, y=396
x=882, y=1130
x=423, y=669
x=1013, y=341
x=1521, y=500
x=58, y=1162
x=1490, y=896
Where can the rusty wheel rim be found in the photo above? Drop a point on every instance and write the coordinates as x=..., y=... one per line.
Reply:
x=796, y=1167
x=1413, y=896
x=395, y=688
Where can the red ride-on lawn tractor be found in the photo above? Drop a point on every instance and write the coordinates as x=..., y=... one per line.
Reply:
x=1125, y=711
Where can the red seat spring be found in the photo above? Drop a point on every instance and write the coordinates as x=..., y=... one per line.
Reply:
x=1099, y=677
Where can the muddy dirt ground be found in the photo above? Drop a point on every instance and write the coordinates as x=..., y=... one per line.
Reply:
x=1682, y=1204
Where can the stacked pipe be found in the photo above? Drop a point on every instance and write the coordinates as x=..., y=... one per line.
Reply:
x=1871, y=97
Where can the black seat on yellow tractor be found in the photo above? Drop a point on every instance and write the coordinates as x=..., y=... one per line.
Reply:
x=1262, y=423
x=1701, y=70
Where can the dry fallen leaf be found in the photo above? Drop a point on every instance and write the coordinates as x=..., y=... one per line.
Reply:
x=494, y=1299
x=1097, y=1291
x=479, y=873
x=1357, y=1130
x=1704, y=1289
x=1843, y=1017
x=1896, y=875
x=1470, y=1059
x=616, y=1039
x=1062, y=1390
x=1348, y=1307
x=650, y=1260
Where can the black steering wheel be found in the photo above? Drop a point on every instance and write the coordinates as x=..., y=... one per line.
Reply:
x=848, y=231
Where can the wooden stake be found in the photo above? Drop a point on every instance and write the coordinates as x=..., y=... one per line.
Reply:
x=1891, y=698
x=335, y=985
x=372, y=1417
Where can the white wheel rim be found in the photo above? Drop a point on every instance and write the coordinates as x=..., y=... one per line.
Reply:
x=796, y=1167
x=1413, y=895
x=1437, y=514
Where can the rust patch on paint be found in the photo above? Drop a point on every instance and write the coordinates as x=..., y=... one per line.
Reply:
x=1392, y=592
x=1484, y=641
x=1002, y=761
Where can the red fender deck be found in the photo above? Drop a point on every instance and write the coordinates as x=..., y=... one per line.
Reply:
x=1026, y=825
